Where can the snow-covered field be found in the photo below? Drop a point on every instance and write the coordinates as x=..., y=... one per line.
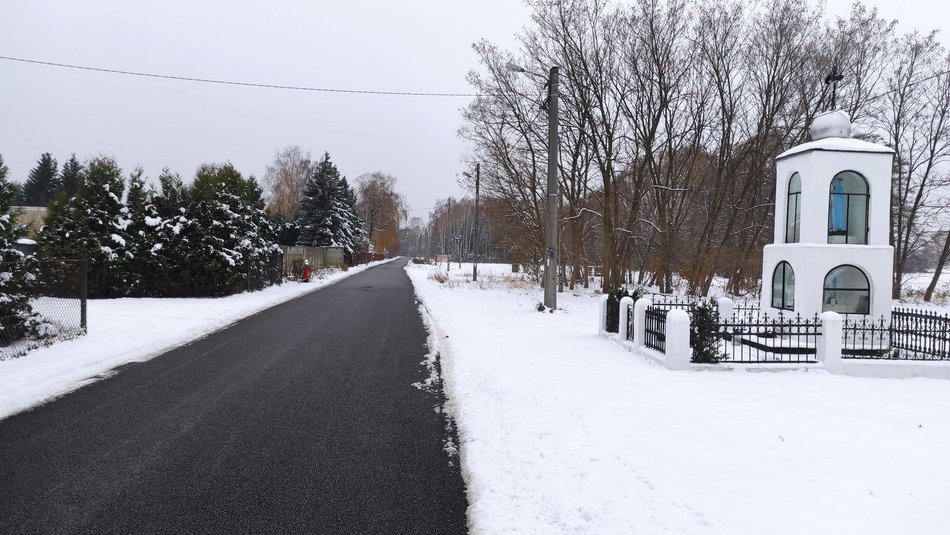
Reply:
x=562, y=431
x=132, y=330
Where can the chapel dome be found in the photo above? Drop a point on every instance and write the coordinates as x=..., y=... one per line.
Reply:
x=831, y=124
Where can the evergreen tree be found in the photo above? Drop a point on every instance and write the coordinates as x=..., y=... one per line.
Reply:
x=139, y=233
x=93, y=225
x=167, y=274
x=58, y=229
x=16, y=270
x=174, y=194
x=69, y=177
x=355, y=229
x=328, y=211
x=221, y=236
x=43, y=182
x=288, y=230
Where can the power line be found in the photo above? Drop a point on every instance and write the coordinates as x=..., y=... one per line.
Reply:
x=244, y=84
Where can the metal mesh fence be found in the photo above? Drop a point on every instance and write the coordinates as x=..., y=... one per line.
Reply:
x=41, y=302
x=265, y=272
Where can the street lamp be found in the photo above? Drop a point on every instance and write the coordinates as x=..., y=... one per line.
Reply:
x=478, y=172
x=550, y=258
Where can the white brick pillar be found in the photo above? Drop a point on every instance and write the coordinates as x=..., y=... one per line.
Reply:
x=639, y=320
x=829, y=343
x=602, y=327
x=678, y=352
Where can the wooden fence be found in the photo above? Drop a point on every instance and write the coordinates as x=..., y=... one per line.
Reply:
x=319, y=258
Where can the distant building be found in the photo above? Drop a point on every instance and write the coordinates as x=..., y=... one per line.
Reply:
x=31, y=216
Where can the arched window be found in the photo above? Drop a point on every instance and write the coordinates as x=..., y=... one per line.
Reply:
x=848, y=209
x=783, y=287
x=847, y=291
x=793, y=212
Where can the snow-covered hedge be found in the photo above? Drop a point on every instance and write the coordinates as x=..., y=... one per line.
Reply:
x=206, y=239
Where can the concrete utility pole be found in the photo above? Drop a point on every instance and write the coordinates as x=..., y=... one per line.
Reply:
x=448, y=229
x=551, y=228
x=478, y=171
x=475, y=241
x=550, y=268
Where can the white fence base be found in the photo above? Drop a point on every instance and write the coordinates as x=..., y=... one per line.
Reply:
x=678, y=352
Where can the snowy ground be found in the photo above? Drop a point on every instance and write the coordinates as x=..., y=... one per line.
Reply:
x=916, y=284
x=562, y=431
x=132, y=330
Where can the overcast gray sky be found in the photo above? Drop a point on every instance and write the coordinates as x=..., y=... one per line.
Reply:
x=410, y=45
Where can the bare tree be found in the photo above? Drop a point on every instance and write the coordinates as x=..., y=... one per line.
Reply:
x=284, y=180
x=672, y=113
x=916, y=117
x=381, y=208
x=509, y=140
x=942, y=260
x=586, y=40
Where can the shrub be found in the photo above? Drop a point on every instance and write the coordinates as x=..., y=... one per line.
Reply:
x=703, y=336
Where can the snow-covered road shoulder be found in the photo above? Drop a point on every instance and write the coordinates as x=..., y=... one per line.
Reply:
x=562, y=431
x=133, y=330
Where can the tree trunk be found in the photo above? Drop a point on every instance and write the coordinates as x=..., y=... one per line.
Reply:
x=941, y=263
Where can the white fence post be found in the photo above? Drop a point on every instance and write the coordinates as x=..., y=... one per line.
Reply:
x=622, y=316
x=602, y=327
x=678, y=352
x=829, y=344
x=726, y=307
x=639, y=320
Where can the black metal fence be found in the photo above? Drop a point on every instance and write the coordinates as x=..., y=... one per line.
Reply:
x=654, y=335
x=669, y=302
x=752, y=337
x=630, y=322
x=745, y=311
x=47, y=303
x=865, y=337
x=763, y=339
x=920, y=335
x=908, y=335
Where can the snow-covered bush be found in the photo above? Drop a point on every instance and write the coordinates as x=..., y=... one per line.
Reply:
x=17, y=319
x=207, y=239
x=218, y=237
x=93, y=225
x=703, y=337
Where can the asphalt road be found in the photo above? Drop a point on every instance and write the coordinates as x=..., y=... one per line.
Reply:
x=300, y=419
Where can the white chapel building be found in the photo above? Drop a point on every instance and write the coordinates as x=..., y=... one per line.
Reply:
x=832, y=221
